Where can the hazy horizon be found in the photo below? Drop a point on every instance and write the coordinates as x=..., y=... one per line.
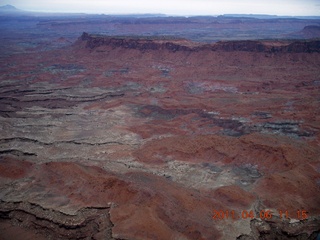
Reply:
x=173, y=7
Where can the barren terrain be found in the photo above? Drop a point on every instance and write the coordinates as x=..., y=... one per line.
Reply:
x=135, y=137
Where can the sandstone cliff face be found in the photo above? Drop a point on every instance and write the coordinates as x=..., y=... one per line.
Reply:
x=132, y=43
x=144, y=44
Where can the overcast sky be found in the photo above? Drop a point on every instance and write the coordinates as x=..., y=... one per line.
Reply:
x=176, y=7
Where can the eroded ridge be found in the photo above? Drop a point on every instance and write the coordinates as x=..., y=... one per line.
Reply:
x=86, y=223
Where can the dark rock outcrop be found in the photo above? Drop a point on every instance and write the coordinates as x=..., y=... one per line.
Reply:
x=247, y=46
x=87, y=222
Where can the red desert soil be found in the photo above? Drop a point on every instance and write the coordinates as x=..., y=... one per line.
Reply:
x=130, y=138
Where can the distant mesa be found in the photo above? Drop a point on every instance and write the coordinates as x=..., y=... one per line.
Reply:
x=312, y=28
x=259, y=16
x=311, y=31
x=308, y=32
x=142, y=43
x=8, y=8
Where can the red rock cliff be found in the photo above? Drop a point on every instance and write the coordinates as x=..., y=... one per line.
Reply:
x=174, y=45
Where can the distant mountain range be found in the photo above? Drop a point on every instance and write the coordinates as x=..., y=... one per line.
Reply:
x=8, y=8
x=265, y=16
